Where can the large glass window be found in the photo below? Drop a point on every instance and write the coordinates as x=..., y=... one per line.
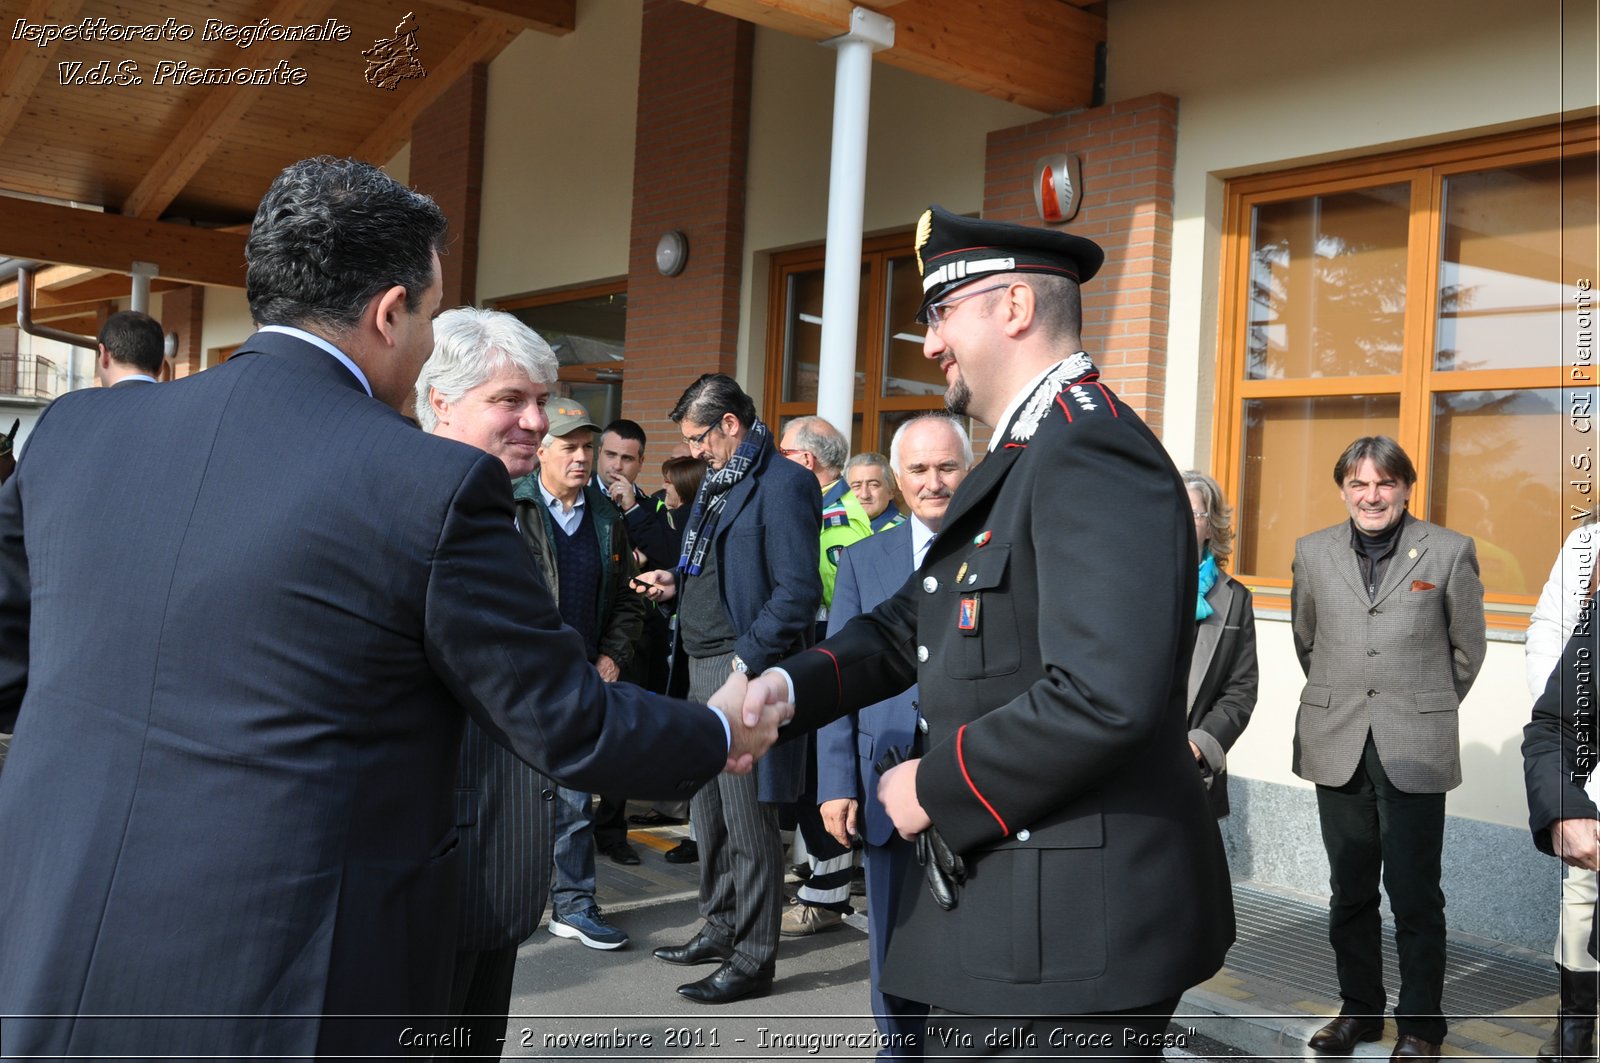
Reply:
x=1429, y=296
x=893, y=380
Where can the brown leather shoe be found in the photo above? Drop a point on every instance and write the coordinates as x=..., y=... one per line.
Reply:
x=1410, y=1046
x=1341, y=1036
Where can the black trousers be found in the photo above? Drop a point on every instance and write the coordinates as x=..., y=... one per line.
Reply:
x=480, y=1000
x=1372, y=829
x=1134, y=1033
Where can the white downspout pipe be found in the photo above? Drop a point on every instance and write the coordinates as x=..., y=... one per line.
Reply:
x=847, y=180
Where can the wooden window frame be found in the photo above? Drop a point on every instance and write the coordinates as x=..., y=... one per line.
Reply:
x=1425, y=169
x=574, y=374
x=875, y=253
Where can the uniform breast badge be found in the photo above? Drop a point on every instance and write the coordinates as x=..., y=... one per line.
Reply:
x=967, y=622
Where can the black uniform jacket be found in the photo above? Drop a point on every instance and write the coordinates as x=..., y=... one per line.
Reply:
x=1050, y=627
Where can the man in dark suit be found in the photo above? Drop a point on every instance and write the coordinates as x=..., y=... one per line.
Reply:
x=131, y=349
x=230, y=802
x=1049, y=630
x=747, y=589
x=930, y=455
x=1388, y=626
x=486, y=384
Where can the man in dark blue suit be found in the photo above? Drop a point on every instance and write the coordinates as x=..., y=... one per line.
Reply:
x=930, y=455
x=747, y=589
x=230, y=807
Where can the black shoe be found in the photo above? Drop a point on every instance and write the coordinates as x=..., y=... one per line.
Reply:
x=621, y=853
x=685, y=852
x=1341, y=1036
x=727, y=984
x=699, y=949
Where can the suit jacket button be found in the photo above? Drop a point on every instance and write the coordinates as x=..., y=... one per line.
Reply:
x=930, y=584
x=922, y=654
x=1023, y=835
x=922, y=725
x=548, y=795
x=1373, y=611
x=1372, y=693
x=1372, y=653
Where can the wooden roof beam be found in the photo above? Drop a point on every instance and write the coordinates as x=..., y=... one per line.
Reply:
x=220, y=108
x=46, y=232
x=555, y=17
x=1037, y=53
x=487, y=40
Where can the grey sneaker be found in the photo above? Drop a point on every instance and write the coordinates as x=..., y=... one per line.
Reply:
x=589, y=927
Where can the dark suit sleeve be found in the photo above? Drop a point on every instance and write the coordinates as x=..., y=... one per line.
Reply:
x=791, y=514
x=493, y=635
x=836, y=743
x=1463, y=602
x=1558, y=744
x=650, y=532
x=1227, y=716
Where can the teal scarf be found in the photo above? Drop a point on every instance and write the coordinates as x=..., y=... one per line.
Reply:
x=1208, y=579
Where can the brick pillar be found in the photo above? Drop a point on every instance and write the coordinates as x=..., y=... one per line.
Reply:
x=690, y=152
x=1128, y=150
x=447, y=164
x=183, y=312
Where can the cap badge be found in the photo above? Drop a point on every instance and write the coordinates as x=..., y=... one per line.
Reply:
x=924, y=233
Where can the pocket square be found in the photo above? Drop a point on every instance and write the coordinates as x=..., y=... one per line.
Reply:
x=1421, y=585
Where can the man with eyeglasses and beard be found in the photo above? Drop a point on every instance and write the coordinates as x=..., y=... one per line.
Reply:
x=1049, y=628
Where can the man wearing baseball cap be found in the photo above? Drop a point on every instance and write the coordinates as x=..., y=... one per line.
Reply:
x=1075, y=878
x=580, y=543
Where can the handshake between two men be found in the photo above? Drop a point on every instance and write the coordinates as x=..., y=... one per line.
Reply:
x=757, y=708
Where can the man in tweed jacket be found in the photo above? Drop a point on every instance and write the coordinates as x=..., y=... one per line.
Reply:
x=1388, y=625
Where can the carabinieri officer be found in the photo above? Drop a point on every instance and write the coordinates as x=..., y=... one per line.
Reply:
x=1050, y=628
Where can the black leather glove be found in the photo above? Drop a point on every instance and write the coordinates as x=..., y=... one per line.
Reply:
x=945, y=869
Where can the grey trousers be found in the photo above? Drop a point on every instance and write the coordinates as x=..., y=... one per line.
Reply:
x=741, y=856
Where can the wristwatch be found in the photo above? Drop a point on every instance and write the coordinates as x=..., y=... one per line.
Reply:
x=739, y=665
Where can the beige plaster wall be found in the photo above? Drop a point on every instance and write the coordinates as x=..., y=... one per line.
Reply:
x=558, y=154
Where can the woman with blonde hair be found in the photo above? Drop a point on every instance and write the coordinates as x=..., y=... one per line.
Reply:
x=1222, y=673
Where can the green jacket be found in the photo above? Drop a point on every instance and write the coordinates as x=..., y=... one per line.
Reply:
x=620, y=610
x=843, y=522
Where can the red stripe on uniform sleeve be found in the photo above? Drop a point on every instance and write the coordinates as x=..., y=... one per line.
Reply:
x=1060, y=402
x=962, y=761
x=838, y=681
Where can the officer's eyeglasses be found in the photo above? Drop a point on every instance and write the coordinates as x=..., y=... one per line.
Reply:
x=934, y=315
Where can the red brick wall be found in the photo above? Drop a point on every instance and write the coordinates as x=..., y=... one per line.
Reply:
x=689, y=166
x=1128, y=149
x=183, y=312
x=447, y=164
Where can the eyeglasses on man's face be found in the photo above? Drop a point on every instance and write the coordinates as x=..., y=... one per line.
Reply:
x=700, y=440
x=935, y=314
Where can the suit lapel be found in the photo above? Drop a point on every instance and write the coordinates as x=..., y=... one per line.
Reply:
x=1344, y=559
x=987, y=477
x=1408, y=554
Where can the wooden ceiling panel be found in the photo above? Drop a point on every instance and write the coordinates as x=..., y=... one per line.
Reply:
x=132, y=138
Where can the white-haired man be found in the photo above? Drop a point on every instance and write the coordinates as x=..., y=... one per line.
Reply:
x=486, y=384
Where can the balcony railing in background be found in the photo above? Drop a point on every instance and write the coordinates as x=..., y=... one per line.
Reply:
x=28, y=376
